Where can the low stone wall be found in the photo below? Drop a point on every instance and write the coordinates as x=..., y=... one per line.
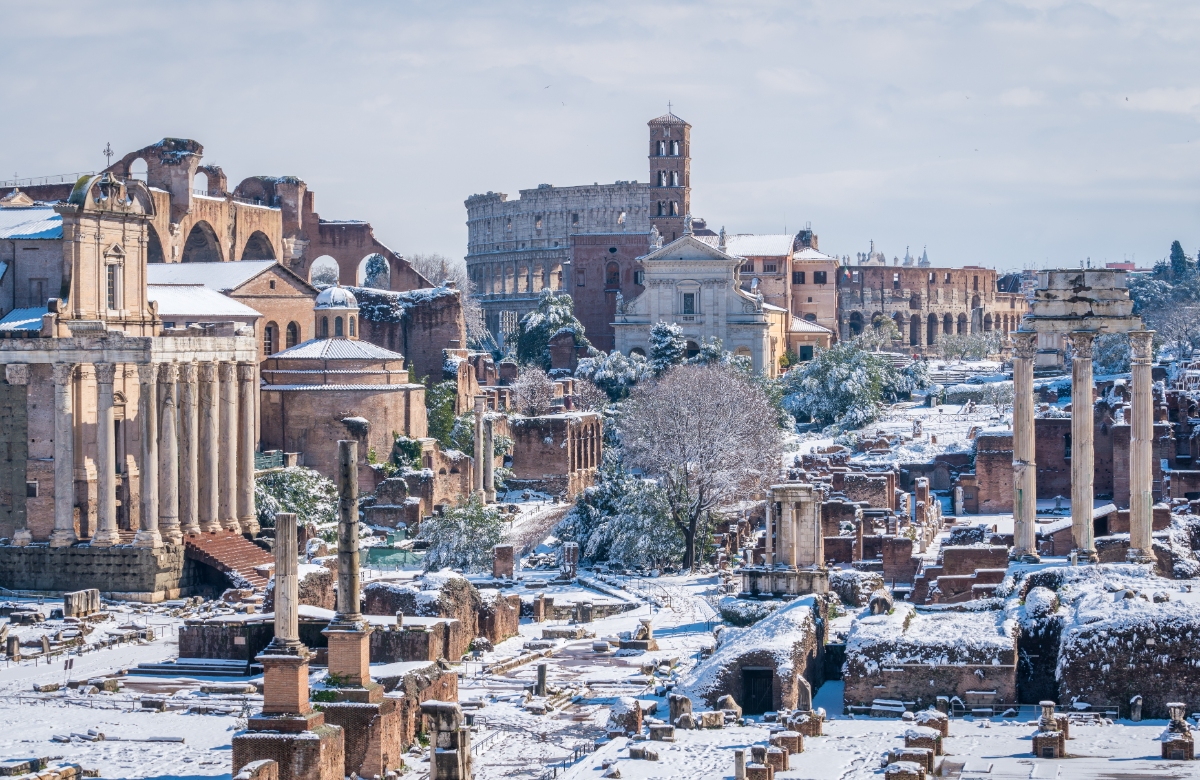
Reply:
x=500, y=615
x=428, y=684
x=120, y=572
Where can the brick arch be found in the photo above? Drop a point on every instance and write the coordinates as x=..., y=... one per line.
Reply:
x=202, y=245
x=258, y=247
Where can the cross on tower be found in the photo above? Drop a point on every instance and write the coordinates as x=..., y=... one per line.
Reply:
x=108, y=153
x=668, y=108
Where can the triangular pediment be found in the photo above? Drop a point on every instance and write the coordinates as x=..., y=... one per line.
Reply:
x=689, y=247
x=114, y=251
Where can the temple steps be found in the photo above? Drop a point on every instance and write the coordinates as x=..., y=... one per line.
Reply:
x=231, y=554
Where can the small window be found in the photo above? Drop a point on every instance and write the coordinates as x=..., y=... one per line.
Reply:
x=895, y=281
x=31, y=489
x=854, y=277
x=689, y=303
x=810, y=299
x=819, y=277
x=272, y=283
x=662, y=208
x=810, y=317
x=748, y=267
x=947, y=280
x=769, y=268
x=806, y=353
x=675, y=148
x=508, y=226
x=324, y=327
x=574, y=219
x=269, y=340
x=674, y=208
x=1066, y=446
x=797, y=277
x=537, y=223
x=352, y=330
x=338, y=327
x=639, y=277
x=674, y=178
x=114, y=286
x=932, y=278
x=580, y=279
x=621, y=218
x=293, y=334
x=976, y=282
x=612, y=275
x=662, y=148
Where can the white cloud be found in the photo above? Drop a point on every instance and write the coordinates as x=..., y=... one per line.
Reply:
x=1170, y=100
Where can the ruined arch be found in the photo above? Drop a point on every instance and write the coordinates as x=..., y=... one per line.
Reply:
x=987, y=322
x=202, y=245
x=855, y=323
x=914, y=331
x=374, y=271
x=154, y=249
x=692, y=349
x=931, y=329
x=948, y=324
x=324, y=271
x=898, y=318
x=637, y=351
x=962, y=325
x=200, y=183
x=138, y=169
x=975, y=301
x=258, y=247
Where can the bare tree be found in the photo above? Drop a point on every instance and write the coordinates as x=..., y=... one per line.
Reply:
x=589, y=397
x=709, y=438
x=1179, y=326
x=440, y=269
x=533, y=392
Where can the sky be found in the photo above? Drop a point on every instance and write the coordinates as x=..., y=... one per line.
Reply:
x=1005, y=134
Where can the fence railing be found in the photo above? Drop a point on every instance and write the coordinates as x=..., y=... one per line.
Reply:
x=268, y=460
x=58, y=178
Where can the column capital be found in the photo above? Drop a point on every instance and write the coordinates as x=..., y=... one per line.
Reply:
x=227, y=371
x=168, y=373
x=245, y=372
x=187, y=372
x=63, y=373
x=147, y=373
x=480, y=404
x=1141, y=345
x=105, y=372
x=1082, y=341
x=1024, y=344
x=207, y=371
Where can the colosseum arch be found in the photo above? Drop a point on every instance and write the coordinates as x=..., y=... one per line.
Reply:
x=987, y=322
x=855, y=324
x=324, y=271
x=963, y=329
x=931, y=329
x=914, y=331
x=948, y=324
x=202, y=245
x=258, y=247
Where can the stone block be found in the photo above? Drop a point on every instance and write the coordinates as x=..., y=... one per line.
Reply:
x=662, y=732
x=263, y=769
x=315, y=754
x=777, y=759
x=81, y=603
x=904, y=770
x=792, y=741
x=759, y=772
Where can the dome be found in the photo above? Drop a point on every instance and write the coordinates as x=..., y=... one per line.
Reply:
x=336, y=298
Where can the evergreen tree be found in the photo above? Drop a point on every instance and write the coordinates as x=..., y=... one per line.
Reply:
x=1180, y=262
x=554, y=314
x=667, y=346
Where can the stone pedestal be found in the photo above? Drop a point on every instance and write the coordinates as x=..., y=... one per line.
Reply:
x=1024, y=443
x=450, y=749
x=1141, y=498
x=1082, y=456
x=1178, y=743
x=502, y=562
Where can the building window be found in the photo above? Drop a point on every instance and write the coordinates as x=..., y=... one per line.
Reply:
x=269, y=339
x=819, y=277
x=114, y=286
x=806, y=353
x=574, y=219
x=272, y=284
x=31, y=489
x=621, y=218
x=932, y=278
x=674, y=208
x=896, y=281
x=797, y=277
x=976, y=279
x=338, y=327
x=689, y=303
x=579, y=278
x=769, y=268
x=324, y=327
x=352, y=327
x=37, y=292
x=1067, y=446
x=947, y=277
x=537, y=222
x=612, y=275
x=675, y=148
x=508, y=226
x=748, y=267
x=293, y=334
x=854, y=277
x=639, y=277
x=662, y=148
x=810, y=301
x=674, y=178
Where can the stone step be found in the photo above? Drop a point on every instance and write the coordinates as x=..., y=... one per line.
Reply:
x=230, y=553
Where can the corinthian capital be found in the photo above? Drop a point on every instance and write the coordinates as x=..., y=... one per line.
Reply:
x=105, y=372
x=1082, y=341
x=1024, y=344
x=1141, y=344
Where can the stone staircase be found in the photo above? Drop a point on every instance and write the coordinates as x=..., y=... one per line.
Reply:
x=231, y=554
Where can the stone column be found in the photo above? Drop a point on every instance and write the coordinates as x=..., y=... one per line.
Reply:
x=1141, y=469
x=349, y=635
x=787, y=532
x=489, y=460
x=247, y=392
x=228, y=448
x=64, y=458
x=477, y=466
x=1083, y=470
x=208, y=499
x=287, y=615
x=189, y=455
x=1024, y=461
x=168, y=456
x=768, y=547
x=285, y=658
x=106, y=461
x=148, y=535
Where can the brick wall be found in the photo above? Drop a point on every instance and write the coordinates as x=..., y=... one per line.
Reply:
x=14, y=453
x=866, y=487
x=965, y=560
x=993, y=472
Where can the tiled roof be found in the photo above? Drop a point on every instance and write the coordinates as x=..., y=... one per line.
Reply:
x=750, y=245
x=195, y=300
x=222, y=277
x=23, y=319
x=668, y=119
x=338, y=349
x=30, y=223
x=801, y=325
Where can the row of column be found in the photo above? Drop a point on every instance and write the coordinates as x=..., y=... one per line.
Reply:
x=1141, y=497
x=197, y=461
x=798, y=539
x=585, y=449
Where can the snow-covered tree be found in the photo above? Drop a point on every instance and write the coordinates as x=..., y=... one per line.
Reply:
x=377, y=274
x=298, y=490
x=439, y=269
x=589, y=397
x=554, y=314
x=462, y=537
x=533, y=391
x=613, y=373
x=844, y=384
x=1111, y=354
x=439, y=411
x=707, y=436
x=667, y=346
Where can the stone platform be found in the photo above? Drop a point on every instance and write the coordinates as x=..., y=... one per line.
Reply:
x=120, y=572
x=781, y=582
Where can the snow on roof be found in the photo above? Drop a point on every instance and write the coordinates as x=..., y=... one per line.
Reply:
x=23, y=319
x=221, y=277
x=808, y=253
x=338, y=349
x=907, y=636
x=801, y=325
x=29, y=224
x=776, y=634
x=751, y=245
x=195, y=300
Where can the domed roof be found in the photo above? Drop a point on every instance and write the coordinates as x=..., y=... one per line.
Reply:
x=336, y=298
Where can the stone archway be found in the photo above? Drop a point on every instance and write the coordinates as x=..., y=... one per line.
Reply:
x=202, y=245
x=258, y=247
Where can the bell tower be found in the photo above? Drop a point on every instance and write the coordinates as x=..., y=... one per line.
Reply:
x=670, y=174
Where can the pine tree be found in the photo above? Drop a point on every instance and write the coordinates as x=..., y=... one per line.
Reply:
x=1179, y=261
x=667, y=346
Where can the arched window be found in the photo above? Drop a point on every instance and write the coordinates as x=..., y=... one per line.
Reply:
x=693, y=349
x=324, y=327
x=662, y=148
x=674, y=178
x=352, y=327
x=662, y=178
x=674, y=208
x=270, y=338
x=637, y=351
x=675, y=148
x=810, y=317
x=660, y=208
x=293, y=335
x=338, y=327
x=612, y=275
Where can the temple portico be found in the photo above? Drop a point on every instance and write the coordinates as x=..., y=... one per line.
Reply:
x=794, y=562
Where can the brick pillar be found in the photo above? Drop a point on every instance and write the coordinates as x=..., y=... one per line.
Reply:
x=64, y=458
x=168, y=456
x=1024, y=461
x=148, y=535
x=477, y=465
x=106, y=461
x=489, y=461
x=1083, y=469
x=247, y=393
x=1141, y=444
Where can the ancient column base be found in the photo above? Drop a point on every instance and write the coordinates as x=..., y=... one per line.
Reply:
x=249, y=526
x=191, y=530
x=62, y=538
x=489, y=496
x=1029, y=557
x=1086, y=556
x=285, y=680
x=172, y=535
x=105, y=538
x=22, y=538
x=231, y=524
x=349, y=654
x=148, y=538
x=373, y=733
x=1140, y=556
x=305, y=747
